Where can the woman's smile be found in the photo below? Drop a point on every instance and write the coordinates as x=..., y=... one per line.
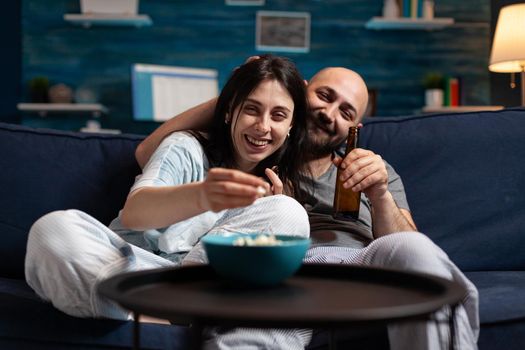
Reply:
x=258, y=144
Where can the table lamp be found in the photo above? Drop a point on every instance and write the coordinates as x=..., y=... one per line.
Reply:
x=508, y=47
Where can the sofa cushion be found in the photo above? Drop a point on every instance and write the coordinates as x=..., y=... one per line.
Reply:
x=463, y=174
x=500, y=295
x=27, y=322
x=46, y=170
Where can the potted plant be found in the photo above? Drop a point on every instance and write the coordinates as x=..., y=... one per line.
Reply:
x=433, y=84
x=38, y=89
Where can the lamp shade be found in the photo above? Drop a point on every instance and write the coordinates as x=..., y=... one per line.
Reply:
x=508, y=47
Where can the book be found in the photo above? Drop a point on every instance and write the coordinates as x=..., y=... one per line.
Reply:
x=406, y=8
x=454, y=91
x=400, y=7
x=413, y=8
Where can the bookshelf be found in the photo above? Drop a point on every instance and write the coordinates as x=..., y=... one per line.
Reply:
x=95, y=109
x=42, y=109
x=459, y=109
x=88, y=20
x=406, y=23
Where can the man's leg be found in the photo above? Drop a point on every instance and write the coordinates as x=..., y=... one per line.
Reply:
x=413, y=251
x=69, y=253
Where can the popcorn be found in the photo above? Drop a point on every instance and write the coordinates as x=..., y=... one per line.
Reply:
x=261, y=191
x=260, y=240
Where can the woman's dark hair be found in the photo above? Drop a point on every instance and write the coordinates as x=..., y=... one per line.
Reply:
x=290, y=158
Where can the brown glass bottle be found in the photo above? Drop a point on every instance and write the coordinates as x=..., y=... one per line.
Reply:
x=346, y=201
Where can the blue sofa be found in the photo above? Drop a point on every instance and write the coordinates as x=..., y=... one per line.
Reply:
x=462, y=173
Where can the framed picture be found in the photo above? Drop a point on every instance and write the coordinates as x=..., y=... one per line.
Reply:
x=161, y=92
x=245, y=2
x=282, y=31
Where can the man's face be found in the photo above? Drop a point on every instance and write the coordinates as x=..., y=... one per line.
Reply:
x=337, y=99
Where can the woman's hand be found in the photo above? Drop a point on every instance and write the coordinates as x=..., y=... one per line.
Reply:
x=277, y=184
x=229, y=188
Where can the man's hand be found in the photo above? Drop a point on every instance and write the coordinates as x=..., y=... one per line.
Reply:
x=364, y=171
x=228, y=188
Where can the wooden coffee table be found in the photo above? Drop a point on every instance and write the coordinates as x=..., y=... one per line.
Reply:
x=317, y=296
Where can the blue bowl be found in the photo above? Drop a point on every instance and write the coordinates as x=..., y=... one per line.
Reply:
x=255, y=265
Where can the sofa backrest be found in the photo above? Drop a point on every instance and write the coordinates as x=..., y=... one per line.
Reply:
x=463, y=176
x=47, y=170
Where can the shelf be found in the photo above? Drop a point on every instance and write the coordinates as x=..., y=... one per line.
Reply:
x=44, y=108
x=404, y=23
x=88, y=20
x=460, y=109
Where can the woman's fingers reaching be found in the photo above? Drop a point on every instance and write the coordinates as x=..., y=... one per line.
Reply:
x=229, y=188
x=277, y=184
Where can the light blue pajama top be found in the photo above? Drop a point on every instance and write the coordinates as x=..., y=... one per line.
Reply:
x=179, y=159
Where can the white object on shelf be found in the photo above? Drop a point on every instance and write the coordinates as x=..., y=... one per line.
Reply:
x=460, y=109
x=94, y=126
x=428, y=9
x=434, y=97
x=88, y=20
x=408, y=23
x=116, y=7
x=390, y=9
x=43, y=109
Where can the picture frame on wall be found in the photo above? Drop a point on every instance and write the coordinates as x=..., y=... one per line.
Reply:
x=244, y=2
x=282, y=31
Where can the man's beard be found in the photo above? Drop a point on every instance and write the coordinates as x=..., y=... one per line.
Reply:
x=322, y=143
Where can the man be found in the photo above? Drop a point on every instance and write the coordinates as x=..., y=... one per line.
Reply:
x=383, y=236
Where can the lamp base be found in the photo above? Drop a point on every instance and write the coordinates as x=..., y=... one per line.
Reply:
x=523, y=85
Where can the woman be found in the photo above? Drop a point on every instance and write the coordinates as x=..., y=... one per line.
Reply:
x=194, y=184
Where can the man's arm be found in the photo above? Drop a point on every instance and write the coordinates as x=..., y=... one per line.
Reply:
x=388, y=218
x=365, y=171
x=196, y=118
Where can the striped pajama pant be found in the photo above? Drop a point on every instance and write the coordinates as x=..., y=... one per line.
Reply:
x=406, y=251
x=69, y=253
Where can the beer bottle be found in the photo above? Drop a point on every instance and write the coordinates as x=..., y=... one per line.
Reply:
x=346, y=201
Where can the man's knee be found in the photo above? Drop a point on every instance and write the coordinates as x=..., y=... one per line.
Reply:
x=408, y=251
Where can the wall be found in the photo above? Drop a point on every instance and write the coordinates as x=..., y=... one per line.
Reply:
x=207, y=33
x=10, y=60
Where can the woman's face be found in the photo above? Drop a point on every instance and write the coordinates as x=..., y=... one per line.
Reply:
x=260, y=125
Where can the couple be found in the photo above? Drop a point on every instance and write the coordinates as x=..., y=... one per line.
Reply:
x=196, y=183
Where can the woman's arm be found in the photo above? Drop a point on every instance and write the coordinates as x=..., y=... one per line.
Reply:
x=157, y=207
x=196, y=118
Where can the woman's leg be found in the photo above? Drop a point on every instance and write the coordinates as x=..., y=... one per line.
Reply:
x=256, y=338
x=271, y=215
x=277, y=214
x=69, y=253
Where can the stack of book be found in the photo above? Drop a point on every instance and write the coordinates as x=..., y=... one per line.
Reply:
x=452, y=92
x=411, y=8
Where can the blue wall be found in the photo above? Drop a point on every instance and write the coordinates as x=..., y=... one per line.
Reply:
x=10, y=60
x=209, y=34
